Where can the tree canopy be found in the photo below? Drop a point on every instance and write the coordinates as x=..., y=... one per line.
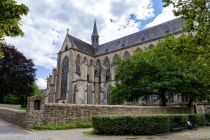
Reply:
x=196, y=14
x=10, y=17
x=163, y=71
x=17, y=75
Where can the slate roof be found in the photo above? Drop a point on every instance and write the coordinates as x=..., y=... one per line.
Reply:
x=153, y=33
x=170, y=27
x=82, y=46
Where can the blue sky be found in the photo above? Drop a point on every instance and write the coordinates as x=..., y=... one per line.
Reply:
x=46, y=24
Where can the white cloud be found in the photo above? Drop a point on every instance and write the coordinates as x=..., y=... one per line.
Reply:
x=166, y=15
x=45, y=25
x=41, y=83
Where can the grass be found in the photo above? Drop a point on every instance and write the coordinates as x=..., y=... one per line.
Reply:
x=22, y=109
x=72, y=125
x=90, y=132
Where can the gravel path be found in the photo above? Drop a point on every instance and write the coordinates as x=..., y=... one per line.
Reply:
x=11, y=132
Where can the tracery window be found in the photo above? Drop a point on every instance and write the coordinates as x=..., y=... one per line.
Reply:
x=98, y=71
x=151, y=46
x=107, y=69
x=78, y=65
x=64, y=77
x=126, y=54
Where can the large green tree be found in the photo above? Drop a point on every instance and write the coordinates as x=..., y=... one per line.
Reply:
x=152, y=72
x=10, y=16
x=162, y=71
x=196, y=50
x=196, y=14
x=176, y=65
x=17, y=75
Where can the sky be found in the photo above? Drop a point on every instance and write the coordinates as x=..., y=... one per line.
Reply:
x=47, y=22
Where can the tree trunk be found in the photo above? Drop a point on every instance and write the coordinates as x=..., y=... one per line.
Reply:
x=190, y=103
x=163, y=99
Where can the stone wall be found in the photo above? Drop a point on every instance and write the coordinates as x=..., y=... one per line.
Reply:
x=54, y=113
x=13, y=115
x=10, y=106
x=203, y=108
x=33, y=115
x=62, y=113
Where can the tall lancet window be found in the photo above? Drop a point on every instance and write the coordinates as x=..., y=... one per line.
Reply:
x=64, y=77
x=78, y=65
x=98, y=71
x=107, y=69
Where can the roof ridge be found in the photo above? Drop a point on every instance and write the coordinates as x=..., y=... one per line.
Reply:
x=139, y=31
x=79, y=40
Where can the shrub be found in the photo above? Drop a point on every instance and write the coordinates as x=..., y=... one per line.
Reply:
x=71, y=125
x=179, y=118
x=131, y=124
x=198, y=119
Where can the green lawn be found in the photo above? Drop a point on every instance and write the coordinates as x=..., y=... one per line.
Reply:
x=23, y=109
x=72, y=125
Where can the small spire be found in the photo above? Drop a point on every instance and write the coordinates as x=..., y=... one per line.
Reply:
x=67, y=30
x=95, y=32
x=95, y=36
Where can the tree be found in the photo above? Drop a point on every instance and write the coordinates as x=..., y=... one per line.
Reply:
x=161, y=70
x=196, y=14
x=35, y=90
x=17, y=75
x=10, y=17
x=176, y=65
x=152, y=72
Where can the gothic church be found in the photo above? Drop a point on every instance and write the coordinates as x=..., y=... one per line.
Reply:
x=85, y=71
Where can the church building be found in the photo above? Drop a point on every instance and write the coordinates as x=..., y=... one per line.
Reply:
x=85, y=71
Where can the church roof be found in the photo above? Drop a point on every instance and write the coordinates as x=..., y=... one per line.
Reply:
x=170, y=27
x=146, y=35
x=82, y=46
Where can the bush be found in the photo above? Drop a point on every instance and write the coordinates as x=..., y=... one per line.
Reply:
x=131, y=124
x=71, y=125
x=208, y=117
x=198, y=119
x=144, y=124
x=179, y=118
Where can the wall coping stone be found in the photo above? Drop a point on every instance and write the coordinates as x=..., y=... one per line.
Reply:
x=124, y=106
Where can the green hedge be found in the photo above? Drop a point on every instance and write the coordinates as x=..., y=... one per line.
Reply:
x=143, y=124
x=179, y=118
x=131, y=125
x=198, y=119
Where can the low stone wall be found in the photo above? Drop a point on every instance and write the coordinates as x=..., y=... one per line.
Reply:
x=13, y=115
x=64, y=113
x=10, y=106
x=203, y=108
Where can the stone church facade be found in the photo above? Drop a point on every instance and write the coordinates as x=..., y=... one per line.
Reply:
x=85, y=71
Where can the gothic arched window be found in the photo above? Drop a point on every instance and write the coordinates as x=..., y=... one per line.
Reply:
x=75, y=94
x=98, y=70
x=151, y=46
x=64, y=77
x=126, y=54
x=78, y=65
x=107, y=69
x=115, y=59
